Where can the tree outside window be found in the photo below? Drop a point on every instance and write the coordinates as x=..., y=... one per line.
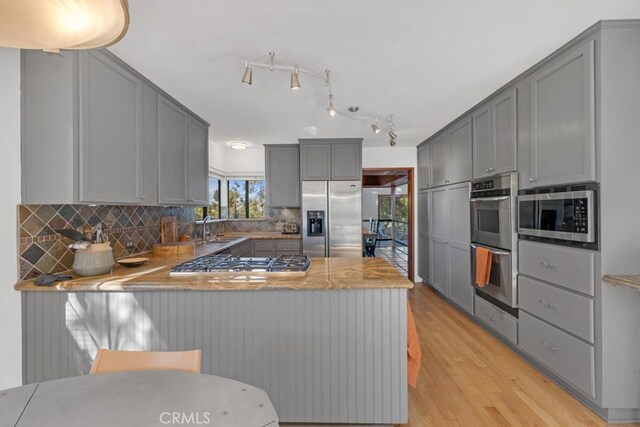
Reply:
x=245, y=198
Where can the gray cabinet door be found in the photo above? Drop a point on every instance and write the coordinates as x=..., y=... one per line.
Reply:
x=424, y=257
x=346, y=161
x=504, y=132
x=460, y=168
x=110, y=143
x=150, y=145
x=282, y=175
x=460, y=289
x=424, y=215
x=198, y=162
x=315, y=162
x=562, y=120
x=483, y=149
x=439, y=159
x=172, y=153
x=424, y=166
x=440, y=264
x=457, y=213
x=440, y=218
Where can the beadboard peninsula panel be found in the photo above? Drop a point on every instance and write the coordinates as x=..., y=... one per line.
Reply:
x=335, y=356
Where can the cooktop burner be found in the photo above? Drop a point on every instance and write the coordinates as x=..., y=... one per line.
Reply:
x=230, y=263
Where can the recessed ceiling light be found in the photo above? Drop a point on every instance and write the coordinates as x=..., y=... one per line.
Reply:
x=238, y=145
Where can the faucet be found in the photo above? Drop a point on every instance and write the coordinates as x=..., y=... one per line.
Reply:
x=204, y=222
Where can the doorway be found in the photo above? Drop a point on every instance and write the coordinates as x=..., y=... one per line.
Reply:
x=387, y=211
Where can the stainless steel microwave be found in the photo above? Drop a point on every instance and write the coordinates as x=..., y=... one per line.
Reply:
x=558, y=214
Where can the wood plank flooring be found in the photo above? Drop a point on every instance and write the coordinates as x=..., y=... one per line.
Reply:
x=470, y=378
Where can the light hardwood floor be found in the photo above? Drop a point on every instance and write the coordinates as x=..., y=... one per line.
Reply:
x=470, y=378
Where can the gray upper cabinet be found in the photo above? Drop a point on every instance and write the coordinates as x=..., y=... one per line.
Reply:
x=562, y=148
x=450, y=154
x=331, y=159
x=97, y=120
x=459, y=167
x=198, y=162
x=439, y=159
x=424, y=166
x=315, y=162
x=172, y=153
x=282, y=175
x=110, y=143
x=495, y=136
x=346, y=161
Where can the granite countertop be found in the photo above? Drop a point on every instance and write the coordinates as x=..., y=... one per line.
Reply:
x=629, y=281
x=324, y=273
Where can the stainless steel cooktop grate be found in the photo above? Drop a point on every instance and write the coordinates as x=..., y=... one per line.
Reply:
x=214, y=263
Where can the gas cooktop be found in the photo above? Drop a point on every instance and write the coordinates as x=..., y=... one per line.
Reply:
x=230, y=263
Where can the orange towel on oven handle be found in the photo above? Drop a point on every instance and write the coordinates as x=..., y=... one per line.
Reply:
x=483, y=266
x=414, y=354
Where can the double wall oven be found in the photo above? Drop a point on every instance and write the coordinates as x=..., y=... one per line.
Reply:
x=493, y=226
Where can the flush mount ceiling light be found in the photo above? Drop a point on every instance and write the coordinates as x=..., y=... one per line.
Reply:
x=52, y=25
x=238, y=145
x=296, y=70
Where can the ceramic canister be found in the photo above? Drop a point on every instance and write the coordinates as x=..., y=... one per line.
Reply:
x=93, y=261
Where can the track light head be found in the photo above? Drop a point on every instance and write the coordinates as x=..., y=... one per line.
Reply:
x=295, y=82
x=375, y=127
x=247, y=76
x=392, y=142
x=392, y=135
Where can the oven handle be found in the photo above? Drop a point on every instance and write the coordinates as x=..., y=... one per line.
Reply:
x=489, y=199
x=499, y=253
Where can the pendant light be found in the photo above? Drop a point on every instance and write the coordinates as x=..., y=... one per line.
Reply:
x=52, y=25
x=295, y=83
x=330, y=110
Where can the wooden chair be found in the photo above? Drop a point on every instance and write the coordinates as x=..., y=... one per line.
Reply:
x=122, y=361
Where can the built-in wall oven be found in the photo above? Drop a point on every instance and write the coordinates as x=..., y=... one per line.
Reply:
x=493, y=226
x=564, y=215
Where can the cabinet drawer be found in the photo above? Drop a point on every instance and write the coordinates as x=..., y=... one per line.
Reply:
x=568, y=267
x=497, y=319
x=567, y=356
x=264, y=245
x=571, y=312
x=292, y=246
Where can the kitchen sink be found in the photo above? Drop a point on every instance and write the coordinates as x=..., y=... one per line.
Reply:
x=221, y=239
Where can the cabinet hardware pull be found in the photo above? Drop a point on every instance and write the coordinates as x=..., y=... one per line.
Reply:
x=549, y=346
x=548, y=266
x=547, y=304
x=142, y=196
x=492, y=320
x=446, y=181
x=532, y=180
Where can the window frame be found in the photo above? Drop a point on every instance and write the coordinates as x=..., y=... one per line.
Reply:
x=205, y=209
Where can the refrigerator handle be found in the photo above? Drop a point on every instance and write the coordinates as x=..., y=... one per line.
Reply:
x=327, y=250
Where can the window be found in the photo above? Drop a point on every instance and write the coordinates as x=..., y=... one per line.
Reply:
x=213, y=209
x=384, y=207
x=245, y=198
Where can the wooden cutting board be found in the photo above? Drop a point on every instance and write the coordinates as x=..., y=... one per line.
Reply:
x=168, y=229
x=174, y=248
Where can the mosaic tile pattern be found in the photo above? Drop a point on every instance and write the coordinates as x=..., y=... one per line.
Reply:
x=130, y=230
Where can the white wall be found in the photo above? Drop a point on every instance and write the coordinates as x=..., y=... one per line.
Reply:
x=10, y=309
x=230, y=162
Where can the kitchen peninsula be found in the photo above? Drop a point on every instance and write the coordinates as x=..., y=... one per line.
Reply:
x=328, y=346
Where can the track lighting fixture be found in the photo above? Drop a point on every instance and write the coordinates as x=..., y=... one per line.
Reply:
x=295, y=82
x=330, y=110
x=377, y=125
x=246, y=77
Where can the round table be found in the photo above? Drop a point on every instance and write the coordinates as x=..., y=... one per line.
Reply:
x=142, y=398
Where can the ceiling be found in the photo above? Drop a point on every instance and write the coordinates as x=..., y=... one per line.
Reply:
x=425, y=61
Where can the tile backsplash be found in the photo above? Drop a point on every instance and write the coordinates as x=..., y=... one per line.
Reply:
x=42, y=250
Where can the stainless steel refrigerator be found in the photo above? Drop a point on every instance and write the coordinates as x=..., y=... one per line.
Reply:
x=331, y=218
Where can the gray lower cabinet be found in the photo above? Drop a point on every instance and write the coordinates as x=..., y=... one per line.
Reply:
x=277, y=247
x=331, y=159
x=563, y=141
x=500, y=321
x=495, y=136
x=90, y=134
x=567, y=356
x=282, y=175
x=424, y=166
x=424, y=257
x=182, y=156
x=244, y=249
x=440, y=265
